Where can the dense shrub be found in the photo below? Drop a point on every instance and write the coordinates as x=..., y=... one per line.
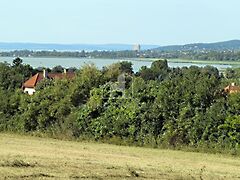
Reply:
x=158, y=106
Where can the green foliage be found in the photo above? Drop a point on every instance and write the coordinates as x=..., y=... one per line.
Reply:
x=87, y=78
x=44, y=84
x=12, y=77
x=17, y=62
x=57, y=69
x=165, y=53
x=158, y=71
x=113, y=71
x=158, y=105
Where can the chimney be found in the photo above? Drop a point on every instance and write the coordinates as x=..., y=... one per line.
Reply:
x=65, y=71
x=44, y=73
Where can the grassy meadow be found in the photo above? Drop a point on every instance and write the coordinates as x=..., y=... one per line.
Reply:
x=25, y=157
x=204, y=62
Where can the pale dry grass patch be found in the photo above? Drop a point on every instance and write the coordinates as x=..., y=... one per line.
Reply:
x=23, y=157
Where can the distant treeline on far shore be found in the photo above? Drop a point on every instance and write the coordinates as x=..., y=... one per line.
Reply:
x=208, y=55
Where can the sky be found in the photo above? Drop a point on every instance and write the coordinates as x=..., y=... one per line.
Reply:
x=156, y=22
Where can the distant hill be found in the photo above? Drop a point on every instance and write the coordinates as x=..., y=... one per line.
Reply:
x=218, y=46
x=70, y=47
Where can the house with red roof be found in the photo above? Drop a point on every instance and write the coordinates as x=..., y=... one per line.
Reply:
x=30, y=85
x=232, y=88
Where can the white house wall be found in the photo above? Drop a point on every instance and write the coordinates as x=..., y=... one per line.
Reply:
x=30, y=91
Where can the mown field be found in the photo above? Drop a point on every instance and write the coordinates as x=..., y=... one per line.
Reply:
x=24, y=157
x=232, y=63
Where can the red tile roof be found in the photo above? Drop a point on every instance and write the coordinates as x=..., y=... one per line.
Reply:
x=32, y=82
x=232, y=89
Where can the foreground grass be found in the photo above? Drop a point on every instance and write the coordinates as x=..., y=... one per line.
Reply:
x=23, y=157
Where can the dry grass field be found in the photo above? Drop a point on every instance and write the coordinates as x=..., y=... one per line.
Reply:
x=24, y=157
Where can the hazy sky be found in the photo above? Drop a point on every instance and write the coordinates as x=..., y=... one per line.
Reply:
x=160, y=22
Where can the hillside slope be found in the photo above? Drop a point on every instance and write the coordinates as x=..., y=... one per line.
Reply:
x=218, y=46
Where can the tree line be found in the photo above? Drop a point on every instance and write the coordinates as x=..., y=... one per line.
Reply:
x=156, y=106
x=208, y=55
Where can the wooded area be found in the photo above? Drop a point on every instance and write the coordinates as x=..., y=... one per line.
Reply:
x=157, y=106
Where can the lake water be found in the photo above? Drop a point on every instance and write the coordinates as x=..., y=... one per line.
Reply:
x=78, y=62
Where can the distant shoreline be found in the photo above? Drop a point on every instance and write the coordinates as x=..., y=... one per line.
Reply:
x=140, y=59
x=188, y=61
